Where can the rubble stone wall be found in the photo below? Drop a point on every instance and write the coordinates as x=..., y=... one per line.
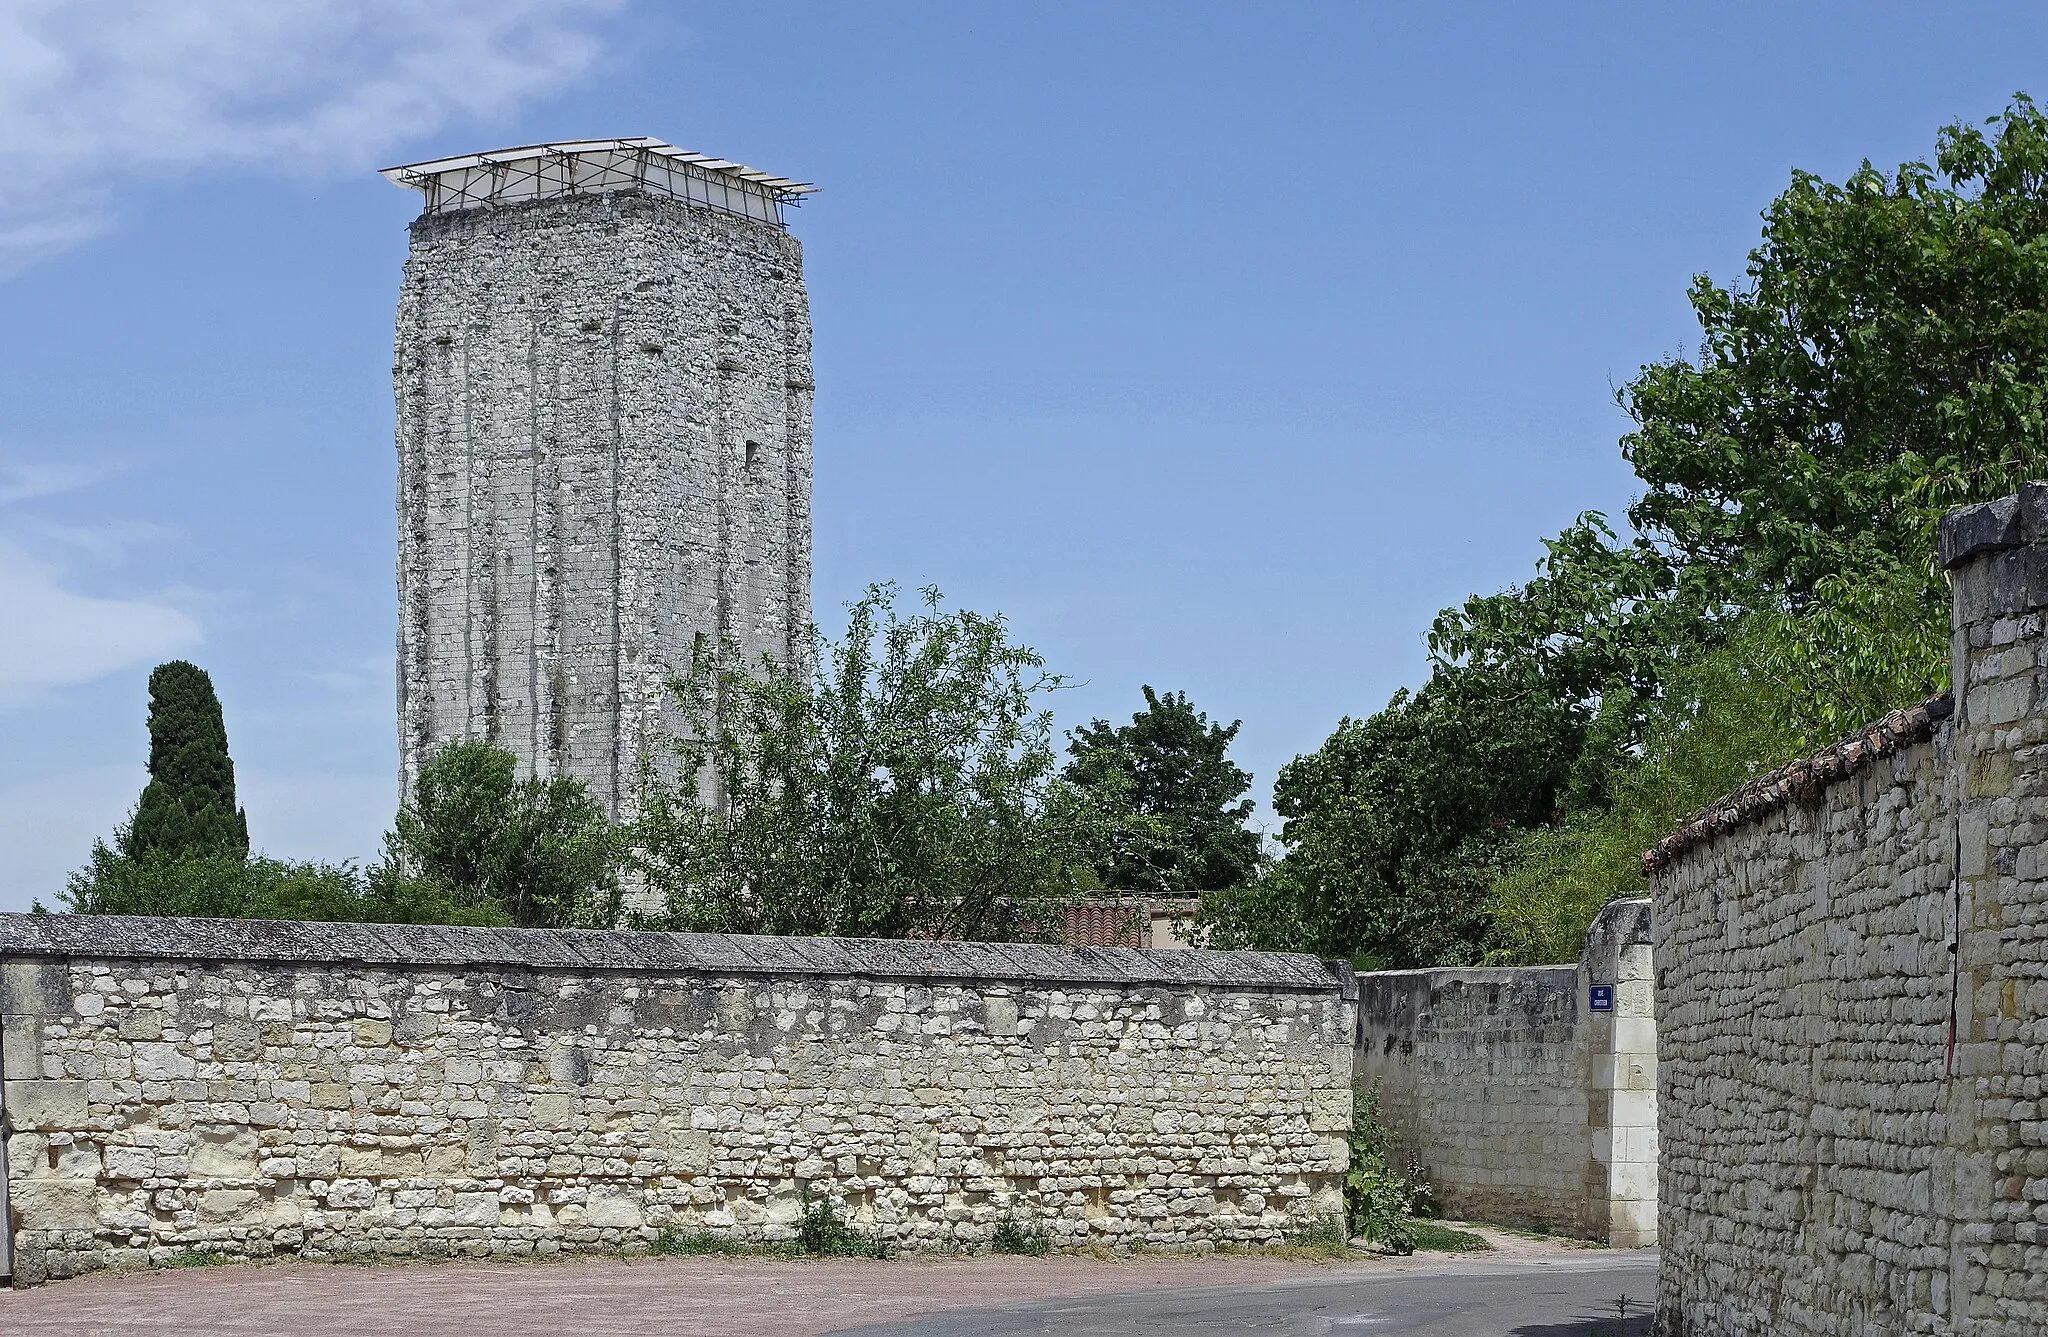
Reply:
x=1522, y=1104
x=254, y=1089
x=1853, y=1004
x=604, y=462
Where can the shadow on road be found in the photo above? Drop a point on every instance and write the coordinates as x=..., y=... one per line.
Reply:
x=1638, y=1325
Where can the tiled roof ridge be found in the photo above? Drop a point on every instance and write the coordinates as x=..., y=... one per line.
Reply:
x=1768, y=793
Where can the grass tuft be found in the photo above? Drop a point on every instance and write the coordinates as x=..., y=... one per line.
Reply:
x=1432, y=1238
x=675, y=1243
x=1326, y=1238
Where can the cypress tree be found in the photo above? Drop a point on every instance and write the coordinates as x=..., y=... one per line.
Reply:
x=189, y=804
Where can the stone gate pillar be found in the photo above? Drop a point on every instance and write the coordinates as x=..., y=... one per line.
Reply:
x=1995, y=1149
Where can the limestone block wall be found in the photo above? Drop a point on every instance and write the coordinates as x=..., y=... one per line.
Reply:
x=1523, y=1105
x=259, y=1089
x=1853, y=1004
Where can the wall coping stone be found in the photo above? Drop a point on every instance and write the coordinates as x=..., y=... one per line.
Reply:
x=1968, y=532
x=1801, y=779
x=432, y=945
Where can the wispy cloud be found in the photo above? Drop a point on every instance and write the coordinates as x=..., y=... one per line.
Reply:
x=57, y=636
x=97, y=92
x=22, y=482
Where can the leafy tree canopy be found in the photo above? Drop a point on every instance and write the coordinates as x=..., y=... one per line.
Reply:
x=1391, y=826
x=902, y=783
x=477, y=845
x=222, y=884
x=1171, y=765
x=539, y=851
x=1885, y=359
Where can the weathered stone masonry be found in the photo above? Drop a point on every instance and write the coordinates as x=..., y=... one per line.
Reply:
x=604, y=453
x=1523, y=1105
x=258, y=1089
x=1853, y=1003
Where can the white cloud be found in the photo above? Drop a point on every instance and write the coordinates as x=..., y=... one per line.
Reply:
x=95, y=92
x=56, y=636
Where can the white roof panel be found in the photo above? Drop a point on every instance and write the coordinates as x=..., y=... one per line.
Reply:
x=598, y=166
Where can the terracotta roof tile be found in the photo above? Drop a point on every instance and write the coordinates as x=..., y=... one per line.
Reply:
x=1768, y=793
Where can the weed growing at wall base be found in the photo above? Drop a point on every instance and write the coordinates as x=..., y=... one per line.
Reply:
x=1377, y=1201
x=673, y=1243
x=1021, y=1237
x=822, y=1232
x=1327, y=1238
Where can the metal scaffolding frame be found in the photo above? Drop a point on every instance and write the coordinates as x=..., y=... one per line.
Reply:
x=597, y=167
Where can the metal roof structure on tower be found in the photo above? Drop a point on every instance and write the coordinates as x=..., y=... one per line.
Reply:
x=597, y=167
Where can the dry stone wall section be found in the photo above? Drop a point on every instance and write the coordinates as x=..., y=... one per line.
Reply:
x=330, y=1090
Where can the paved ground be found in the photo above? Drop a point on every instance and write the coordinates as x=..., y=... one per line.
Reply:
x=1570, y=1297
x=1494, y=1295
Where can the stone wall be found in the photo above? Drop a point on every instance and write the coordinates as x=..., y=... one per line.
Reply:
x=604, y=460
x=1523, y=1105
x=1853, y=1004
x=257, y=1089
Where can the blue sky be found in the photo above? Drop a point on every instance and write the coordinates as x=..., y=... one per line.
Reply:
x=1217, y=345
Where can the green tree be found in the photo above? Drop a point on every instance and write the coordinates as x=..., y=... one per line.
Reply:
x=1394, y=827
x=540, y=851
x=1723, y=718
x=900, y=783
x=221, y=884
x=189, y=803
x=1170, y=764
x=1886, y=358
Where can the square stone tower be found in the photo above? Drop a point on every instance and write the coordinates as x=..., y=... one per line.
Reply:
x=603, y=377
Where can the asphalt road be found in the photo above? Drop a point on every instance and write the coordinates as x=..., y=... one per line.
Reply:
x=1562, y=1297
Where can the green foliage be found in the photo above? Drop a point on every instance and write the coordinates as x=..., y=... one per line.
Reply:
x=1396, y=825
x=222, y=884
x=539, y=851
x=477, y=846
x=1723, y=719
x=822, y=1232
x=1170, y=765
x=1377, y=1199
x=1885, y=359
x=1432, y=1238
x=189, y=803
x=1019, y=1237
x=902, y=784
x=695, y=1243
x=1325, y=1238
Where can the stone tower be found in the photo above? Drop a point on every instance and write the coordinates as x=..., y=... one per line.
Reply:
x=603, y=378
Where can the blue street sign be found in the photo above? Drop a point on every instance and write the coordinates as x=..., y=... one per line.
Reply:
x=1600, y=998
